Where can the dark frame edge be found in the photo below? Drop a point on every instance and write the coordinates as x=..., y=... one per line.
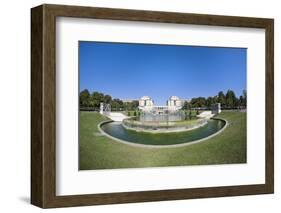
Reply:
x=269, y=119
x=156, y=16
x=156, y=196
x=37, y=197
x=43, y=82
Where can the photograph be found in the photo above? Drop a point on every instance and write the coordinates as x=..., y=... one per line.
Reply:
x=160, y=105
x=140, y=105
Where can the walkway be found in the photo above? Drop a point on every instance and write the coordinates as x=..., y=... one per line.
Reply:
x=116, y=116
x=205, y=114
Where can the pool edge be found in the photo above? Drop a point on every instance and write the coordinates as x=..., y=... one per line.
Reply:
x=161, y=146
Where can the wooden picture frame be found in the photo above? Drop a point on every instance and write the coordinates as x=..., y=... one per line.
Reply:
x=43, y=105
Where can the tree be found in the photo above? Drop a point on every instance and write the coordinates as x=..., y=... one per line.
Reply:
x=198, y=102
x=107, y=99
x=84, y=98
x=135, y=105
x=241, y=101
x=131, y=106
x=185, y=115
x=190, y=114
x=221, y=99
x=186, y=105
x=230, y=99
x=245, y=98
x=95, y=99
x=210, y=101
x=117, y=104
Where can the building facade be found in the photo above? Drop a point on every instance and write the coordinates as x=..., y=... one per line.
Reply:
x=147, y=104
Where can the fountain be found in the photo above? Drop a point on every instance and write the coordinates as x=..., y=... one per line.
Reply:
x=169, y=118
x=163, y=125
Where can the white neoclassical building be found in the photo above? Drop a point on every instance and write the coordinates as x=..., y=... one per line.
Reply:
x=173, y=104
x=146, y=103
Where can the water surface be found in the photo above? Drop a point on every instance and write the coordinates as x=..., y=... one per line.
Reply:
x=115, y=129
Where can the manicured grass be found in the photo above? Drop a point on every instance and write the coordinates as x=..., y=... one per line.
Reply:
x=99, y=152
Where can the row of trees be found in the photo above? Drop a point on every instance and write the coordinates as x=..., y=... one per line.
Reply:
x=228, y=101
x=92, y=101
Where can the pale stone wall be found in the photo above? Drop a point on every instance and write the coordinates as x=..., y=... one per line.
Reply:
x=173, y=104
x=145, y=103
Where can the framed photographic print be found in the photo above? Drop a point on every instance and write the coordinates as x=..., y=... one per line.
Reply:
x=136, y=106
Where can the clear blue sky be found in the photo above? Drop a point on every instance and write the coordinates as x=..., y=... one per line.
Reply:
x=129, y=71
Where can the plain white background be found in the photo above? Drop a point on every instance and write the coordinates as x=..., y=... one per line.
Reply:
x=15, y=105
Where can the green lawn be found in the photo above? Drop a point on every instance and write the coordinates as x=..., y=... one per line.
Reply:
x=99, y=152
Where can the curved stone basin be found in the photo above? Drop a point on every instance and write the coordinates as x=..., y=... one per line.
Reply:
x=115, y=130
x=162, y=127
